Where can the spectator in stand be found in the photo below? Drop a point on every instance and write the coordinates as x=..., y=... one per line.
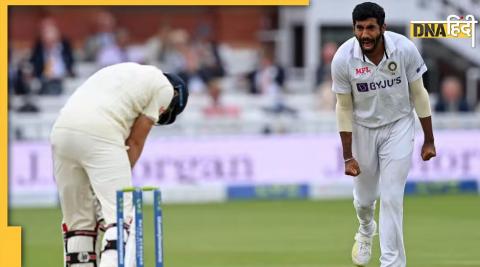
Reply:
x=268, y=80
x=52, y=58
x=175, y=49
x=326, y=98
x=217, y=108
x=451, y=98
x=210, y=67
x=115, y=53
x=22, y=77
x=269, y=77
x=21, y=81
x=181, y=58
x=104, y=36
x=323, y=72
x=155, y=45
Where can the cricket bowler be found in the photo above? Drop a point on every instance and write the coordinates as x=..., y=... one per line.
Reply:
x=377, y=78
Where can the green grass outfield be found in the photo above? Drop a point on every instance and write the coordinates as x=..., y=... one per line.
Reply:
x=440, y=231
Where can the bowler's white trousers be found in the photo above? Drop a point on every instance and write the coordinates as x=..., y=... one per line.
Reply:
x=384, y=156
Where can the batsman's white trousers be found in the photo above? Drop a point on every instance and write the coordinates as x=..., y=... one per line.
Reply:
x=81, y=163
x=384, y=155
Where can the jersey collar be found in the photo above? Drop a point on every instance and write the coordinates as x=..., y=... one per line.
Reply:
x=389, y=47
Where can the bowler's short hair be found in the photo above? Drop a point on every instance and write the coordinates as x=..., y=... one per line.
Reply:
x=368, y=10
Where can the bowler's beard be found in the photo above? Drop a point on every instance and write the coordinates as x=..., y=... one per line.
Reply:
x=375, y=42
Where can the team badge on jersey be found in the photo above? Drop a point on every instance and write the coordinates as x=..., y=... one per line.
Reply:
x=392, y=66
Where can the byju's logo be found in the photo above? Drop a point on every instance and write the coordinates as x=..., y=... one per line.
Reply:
x=365, y=87
x=362, y=87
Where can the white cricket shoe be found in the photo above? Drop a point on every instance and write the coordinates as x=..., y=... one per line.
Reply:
x=362, y=248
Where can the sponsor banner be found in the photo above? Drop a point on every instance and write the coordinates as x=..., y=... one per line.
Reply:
x=436, y=188
x=30, y=167
x=191, y=194
x=301, y=191
x=458, y=157
x=240, y=161
x=332, y=191
x=33, y=199
x=339, y=190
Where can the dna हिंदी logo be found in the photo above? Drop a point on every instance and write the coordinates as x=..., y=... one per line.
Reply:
x=454, y=27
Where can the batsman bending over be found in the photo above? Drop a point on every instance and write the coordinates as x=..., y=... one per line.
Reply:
x=377, y=77
x=96, y=141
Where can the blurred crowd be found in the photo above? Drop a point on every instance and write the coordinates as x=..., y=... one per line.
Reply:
x=43, y=69
x=194, y=56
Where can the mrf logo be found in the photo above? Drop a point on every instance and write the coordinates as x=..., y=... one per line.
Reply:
x=454, y=27
x=362, y=71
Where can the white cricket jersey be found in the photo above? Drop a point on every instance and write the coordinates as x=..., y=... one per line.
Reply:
x=380, y=93
x=107, y=104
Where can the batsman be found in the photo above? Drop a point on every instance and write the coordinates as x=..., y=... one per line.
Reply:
x=96, y=141
x=377, y=78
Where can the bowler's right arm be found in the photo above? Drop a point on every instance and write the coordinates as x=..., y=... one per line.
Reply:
x=344, y=111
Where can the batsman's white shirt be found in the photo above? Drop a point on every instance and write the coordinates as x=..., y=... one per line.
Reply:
x=380, y=92
x=108, y=103
x=88, y=141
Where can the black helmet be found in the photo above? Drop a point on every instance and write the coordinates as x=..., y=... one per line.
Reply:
x=179, y=100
